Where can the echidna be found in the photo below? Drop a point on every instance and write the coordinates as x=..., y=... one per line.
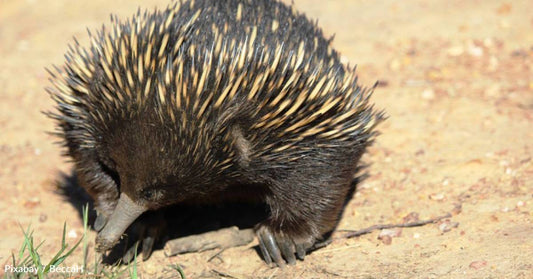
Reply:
x=187, y=103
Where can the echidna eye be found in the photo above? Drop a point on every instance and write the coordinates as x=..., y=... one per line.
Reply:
x=147, y=194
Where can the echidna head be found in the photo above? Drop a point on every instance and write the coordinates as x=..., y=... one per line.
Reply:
x=147, y=166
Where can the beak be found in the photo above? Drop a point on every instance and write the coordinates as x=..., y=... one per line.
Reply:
x=126, y=212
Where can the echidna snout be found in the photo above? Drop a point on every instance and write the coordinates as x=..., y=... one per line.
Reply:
x=125, y=213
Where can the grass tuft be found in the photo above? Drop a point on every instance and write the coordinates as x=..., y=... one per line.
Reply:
x=28, y=262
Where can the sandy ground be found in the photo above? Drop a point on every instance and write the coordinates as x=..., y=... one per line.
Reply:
x=457, y=84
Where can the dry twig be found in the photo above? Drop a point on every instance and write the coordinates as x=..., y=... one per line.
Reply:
x=370, y=229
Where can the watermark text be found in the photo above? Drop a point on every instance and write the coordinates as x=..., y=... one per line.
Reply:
x=34, y=270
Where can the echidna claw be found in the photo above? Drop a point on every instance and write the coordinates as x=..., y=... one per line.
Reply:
x=279, y=248
x=131, y=252
x=100, y=222
x=300, y=251
x=263, y=248
x=148, y=230
x=148, y=246
x=269, y=247
x=287, y=249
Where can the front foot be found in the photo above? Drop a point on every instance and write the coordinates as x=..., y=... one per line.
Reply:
x=280, y=248
x=143, y=234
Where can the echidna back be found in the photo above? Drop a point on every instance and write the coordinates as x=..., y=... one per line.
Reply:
x=202, y=65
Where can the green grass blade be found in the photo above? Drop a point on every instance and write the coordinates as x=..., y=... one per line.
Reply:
x=34, y=256
x=64, y=234
x=25, y=243
x=178, y=268
x=60, y=259
x=85, y=227
x=60, y=252
x=133, y=271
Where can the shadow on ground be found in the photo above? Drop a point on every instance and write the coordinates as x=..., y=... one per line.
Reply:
x=182, y=220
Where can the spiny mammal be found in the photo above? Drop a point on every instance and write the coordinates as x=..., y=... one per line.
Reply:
x=187, y=103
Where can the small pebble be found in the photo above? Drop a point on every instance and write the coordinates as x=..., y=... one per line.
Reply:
x=428, y=94
x=488, y=42
x=411, y=217
x=416, y=235
x=72, y=234
x=475, y=51
x=447, y=226
x=43, y=217
x=32, y=202
x=395, y=232
x=387, y=240
x=458, y=208
x=436, y=196
x=395, y=64
x=477, y=264
x=386, y=235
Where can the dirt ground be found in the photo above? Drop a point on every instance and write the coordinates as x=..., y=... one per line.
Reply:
x=457, y=84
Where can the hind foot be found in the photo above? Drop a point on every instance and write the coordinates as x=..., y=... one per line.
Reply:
x=280, y=247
